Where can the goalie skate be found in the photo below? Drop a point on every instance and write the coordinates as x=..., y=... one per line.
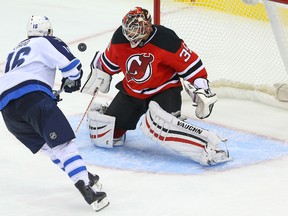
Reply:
x=218, y=156
x=214, y=156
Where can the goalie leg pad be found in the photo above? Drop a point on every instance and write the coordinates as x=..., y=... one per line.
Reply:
x=101, y=128
x=188, y=140
x=98, y=122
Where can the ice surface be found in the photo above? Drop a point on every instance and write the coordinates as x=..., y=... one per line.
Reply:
x=141, y=178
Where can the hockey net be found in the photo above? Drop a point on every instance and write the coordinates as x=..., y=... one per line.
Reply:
x=244, y=47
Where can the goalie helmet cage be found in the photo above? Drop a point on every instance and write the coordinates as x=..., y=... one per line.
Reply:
x=243, y=46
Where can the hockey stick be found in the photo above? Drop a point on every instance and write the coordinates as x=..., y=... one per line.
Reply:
x=57, y=94
x=86, y=111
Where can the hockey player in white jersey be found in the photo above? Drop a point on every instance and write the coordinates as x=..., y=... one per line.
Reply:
x=29, y=107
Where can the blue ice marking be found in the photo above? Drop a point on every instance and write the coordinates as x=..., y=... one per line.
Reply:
x=141, y=154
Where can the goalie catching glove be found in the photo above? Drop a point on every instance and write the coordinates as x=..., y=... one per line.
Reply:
x=97, y=79
x=201, y=96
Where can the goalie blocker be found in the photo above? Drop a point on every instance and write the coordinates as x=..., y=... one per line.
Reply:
x=191, y=141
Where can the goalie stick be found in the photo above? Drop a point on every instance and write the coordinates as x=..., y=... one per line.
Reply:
x=57, y=95
x=86, y=111
x=92, y=99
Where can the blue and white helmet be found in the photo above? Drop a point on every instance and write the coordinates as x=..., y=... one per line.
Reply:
x=39, y=26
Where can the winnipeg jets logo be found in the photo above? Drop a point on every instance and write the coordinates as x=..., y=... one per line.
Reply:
x=139, y=67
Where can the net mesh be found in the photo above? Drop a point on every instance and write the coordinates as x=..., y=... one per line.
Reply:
x=234, y=40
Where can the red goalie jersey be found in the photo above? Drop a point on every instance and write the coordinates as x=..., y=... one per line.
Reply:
x=154, y=65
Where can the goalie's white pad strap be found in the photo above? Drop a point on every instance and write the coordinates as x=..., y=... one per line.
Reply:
x=186, y=139
x=101, y=128
x=97, y=79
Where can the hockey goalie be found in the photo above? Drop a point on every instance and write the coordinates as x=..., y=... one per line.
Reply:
x=155, y=63
x=166, y=129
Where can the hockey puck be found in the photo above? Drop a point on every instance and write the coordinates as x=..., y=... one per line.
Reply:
x=82, y=47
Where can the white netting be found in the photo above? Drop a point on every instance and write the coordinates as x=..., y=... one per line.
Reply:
x=236, y=43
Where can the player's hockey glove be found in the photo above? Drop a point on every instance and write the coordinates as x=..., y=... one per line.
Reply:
x=203, y=99
x=69, y=85
x=57, y=96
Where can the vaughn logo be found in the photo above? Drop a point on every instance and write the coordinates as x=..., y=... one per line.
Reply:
x=189, y=127
x=139, y=67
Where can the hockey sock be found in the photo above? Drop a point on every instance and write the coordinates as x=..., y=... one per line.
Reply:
x=73, y=163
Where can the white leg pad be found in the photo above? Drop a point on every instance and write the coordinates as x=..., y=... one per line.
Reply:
x=188, y=140
x=101, y=128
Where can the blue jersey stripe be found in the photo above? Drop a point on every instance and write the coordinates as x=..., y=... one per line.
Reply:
x=20, y=90
x=69, y=67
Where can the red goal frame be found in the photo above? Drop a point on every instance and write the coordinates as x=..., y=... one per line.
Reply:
x=157, y=12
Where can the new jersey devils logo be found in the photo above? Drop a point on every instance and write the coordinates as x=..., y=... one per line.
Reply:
x=139, y=68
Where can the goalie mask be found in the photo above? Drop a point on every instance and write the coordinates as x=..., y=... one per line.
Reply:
x=136, y=25
x=39, y=26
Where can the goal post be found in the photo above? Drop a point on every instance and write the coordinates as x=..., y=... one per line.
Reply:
x=243, y=46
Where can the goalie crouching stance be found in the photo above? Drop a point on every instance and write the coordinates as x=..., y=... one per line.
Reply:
x=153, y=60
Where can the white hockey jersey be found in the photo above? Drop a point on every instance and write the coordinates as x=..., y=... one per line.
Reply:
x=32, y=66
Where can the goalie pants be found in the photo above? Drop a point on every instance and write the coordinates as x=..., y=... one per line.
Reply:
x=35, y=119
x=128, y=110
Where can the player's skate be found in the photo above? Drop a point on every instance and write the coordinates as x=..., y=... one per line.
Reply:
x=94, y=182
x=97, y=200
